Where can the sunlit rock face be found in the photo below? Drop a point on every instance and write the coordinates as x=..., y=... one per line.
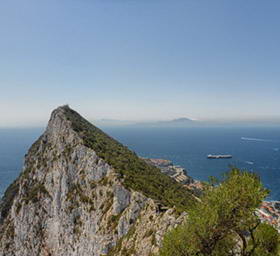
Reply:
x=69, y=201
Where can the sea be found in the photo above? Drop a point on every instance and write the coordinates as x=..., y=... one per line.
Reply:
x=255, y=149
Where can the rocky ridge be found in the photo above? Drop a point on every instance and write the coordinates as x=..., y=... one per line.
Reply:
x=74, y=197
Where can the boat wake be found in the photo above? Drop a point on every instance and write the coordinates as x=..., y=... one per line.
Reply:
x=249, y=162
x=255, y=139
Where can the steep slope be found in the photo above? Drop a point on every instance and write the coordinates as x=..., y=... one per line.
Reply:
x=83, y=193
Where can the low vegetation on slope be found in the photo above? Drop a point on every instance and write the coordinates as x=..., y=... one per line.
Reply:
x=225, y=223
x=137, y=174
x=7, y=200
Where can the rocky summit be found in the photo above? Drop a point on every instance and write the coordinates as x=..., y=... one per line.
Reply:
x=83, y=193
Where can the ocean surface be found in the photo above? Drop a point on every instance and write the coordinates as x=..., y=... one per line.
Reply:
x=254, y=149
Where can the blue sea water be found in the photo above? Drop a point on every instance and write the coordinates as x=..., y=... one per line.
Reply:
x=254, y=149
x=14, y=144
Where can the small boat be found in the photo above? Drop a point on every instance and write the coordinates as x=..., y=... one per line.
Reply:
x=219, y=156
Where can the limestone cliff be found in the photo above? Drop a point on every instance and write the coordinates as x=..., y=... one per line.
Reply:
x=82, y=193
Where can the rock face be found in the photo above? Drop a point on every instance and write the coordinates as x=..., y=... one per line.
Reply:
x=69, y=201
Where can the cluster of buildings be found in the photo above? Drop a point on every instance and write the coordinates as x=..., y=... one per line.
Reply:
x=270, y=212
x=177, y=173
x=174, y=171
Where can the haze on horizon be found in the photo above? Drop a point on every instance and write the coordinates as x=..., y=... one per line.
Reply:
x=140, y=60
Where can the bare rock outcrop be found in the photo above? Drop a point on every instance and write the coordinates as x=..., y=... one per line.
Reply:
x=69, y=201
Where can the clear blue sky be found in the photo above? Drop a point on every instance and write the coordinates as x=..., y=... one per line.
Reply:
x=139, y=59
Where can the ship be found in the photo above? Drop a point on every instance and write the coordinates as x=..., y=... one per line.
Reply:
x=219, y=156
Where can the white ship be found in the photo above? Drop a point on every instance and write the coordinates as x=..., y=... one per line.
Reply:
x=218, y=156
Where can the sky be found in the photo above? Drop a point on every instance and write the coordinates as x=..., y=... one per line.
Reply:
x=139, y=60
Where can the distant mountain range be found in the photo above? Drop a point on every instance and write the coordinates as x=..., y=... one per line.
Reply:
x=186, y=122
x=183, y=121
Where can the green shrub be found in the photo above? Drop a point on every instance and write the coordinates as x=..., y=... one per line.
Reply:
x=224, y=220
x=149, y=233
x=114, y=220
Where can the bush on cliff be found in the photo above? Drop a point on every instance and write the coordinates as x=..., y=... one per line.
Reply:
x=225, y=223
